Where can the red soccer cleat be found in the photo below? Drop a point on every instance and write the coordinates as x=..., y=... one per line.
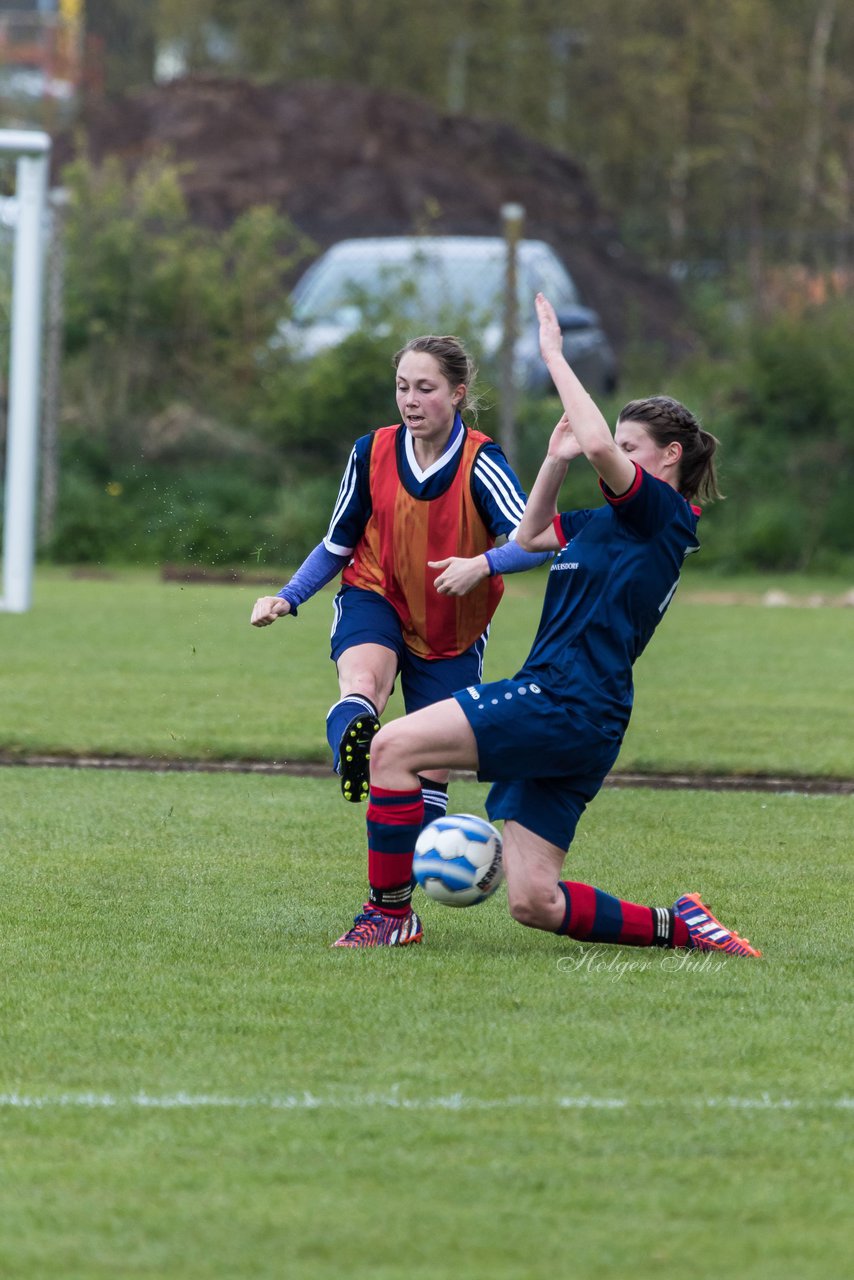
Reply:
x=706, y=932
x=372, y=928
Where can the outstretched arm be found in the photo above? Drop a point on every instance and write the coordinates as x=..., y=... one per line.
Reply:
x=536, y=532
x=318, y=568
x=460, y=575
x=588, y=426
x=325, y=562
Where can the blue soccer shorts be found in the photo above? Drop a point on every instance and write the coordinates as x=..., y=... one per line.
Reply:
x=546, y=762
x=364, y=617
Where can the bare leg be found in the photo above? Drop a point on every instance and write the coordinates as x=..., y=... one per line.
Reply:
x=437, y=736
x=435, y=775
x=366, y=674
x=368, y=670
x=532, y=868
x=428, y=742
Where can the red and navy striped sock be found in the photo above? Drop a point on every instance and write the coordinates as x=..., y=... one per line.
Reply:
x=394, y=820
x=594, y=916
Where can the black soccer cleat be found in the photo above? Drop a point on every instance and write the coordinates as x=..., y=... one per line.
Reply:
x=354, y=753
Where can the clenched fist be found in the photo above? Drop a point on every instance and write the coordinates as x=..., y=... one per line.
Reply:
x=267, y=609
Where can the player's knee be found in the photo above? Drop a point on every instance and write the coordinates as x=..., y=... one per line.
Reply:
x=387, y=750
x=393, y=749
x=381, y=749
x=529, y=906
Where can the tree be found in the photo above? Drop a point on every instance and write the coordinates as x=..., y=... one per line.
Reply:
x=719, y=132
x=123, y=34
x=160, y=310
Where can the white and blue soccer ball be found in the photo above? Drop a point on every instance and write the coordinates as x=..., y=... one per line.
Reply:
x=458, y=860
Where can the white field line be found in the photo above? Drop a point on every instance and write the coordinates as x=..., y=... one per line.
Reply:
x=307, y=1101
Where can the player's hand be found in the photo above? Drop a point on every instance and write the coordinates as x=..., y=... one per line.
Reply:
x=563, y=443
x=459, y=574
x=551, y=338
x=267, y=609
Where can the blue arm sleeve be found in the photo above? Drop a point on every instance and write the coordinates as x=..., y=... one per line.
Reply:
x=512, y=559
x=319, y=567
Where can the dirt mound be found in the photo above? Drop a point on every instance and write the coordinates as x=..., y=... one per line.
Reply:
x=343, y=161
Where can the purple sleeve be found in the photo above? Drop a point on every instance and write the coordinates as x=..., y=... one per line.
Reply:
x=319, y=567
x=510, y=558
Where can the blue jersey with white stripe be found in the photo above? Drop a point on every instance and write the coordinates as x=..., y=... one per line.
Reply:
x=498, y=495
x=608, y=589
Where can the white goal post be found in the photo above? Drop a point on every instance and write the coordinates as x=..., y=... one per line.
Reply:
x=32, y=149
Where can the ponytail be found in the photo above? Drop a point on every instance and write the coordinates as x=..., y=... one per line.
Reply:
x=666, y=420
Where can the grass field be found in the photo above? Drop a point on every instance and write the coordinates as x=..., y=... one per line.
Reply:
x=129, y=665
x=193, y=1085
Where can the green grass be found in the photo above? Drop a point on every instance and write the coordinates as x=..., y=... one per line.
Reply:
x=193, y=1085
x=129, y=665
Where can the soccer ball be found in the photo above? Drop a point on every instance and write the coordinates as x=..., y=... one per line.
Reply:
x=458, y=860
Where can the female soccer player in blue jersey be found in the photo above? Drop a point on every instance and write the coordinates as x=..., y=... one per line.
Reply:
x=548, y=737
x=419, y=509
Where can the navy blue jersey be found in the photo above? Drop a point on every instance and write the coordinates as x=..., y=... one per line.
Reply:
x=607, y=591
x=498, y=496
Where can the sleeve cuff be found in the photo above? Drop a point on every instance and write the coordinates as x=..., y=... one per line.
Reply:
x=616, y=498
x=284, y=594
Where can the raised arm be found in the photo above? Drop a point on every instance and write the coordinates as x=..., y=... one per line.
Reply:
x=536, y=531
x=500, y=501
x=588, y=426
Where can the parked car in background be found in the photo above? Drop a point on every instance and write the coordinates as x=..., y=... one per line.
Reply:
x=432, y=282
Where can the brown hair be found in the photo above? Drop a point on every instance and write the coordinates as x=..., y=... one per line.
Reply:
x=453, y=360
x=665, y=420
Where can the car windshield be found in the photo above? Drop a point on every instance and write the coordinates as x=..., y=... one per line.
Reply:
x=426, y=284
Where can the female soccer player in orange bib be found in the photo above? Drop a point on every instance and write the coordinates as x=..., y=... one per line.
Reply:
x=414, y=528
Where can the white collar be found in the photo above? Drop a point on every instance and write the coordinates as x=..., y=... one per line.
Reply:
x=455, y=443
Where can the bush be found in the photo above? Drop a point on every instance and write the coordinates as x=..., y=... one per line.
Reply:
x=297, y=518
x=158, y=308
x=792, y=442
x=312, y=411
x=188, y=436
x=148, y=515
